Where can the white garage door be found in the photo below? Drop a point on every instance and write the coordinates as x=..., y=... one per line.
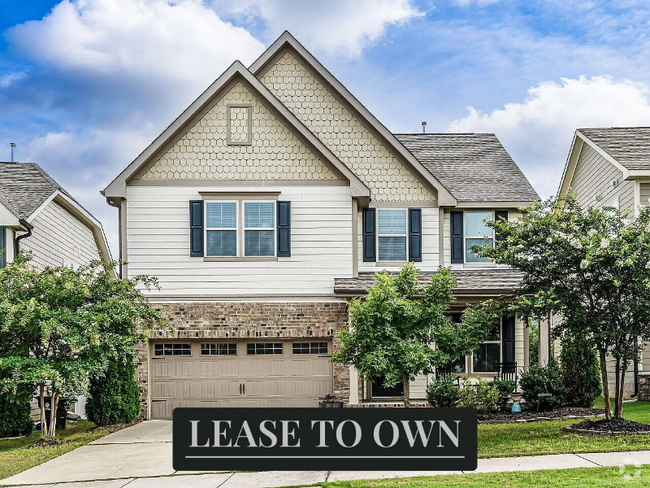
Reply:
x=238, y=374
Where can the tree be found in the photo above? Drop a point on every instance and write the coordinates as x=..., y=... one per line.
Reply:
x=590, y=269
x=580, y=371
x=59, y=327
x=392, y=330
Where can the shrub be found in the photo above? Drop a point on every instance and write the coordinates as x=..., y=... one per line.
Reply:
x=504, y=388
x=115, y=397
x=543, y=381
x=580, y=372
x=481, y=395
x=15, y=413
x=443, y=392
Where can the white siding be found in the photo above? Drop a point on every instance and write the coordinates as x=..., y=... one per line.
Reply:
x=321, y=244
x=430, y=244
x=593, y=176
x=59, y=238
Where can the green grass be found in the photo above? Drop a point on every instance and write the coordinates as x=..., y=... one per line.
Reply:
x=565, y=478
x=16, y=457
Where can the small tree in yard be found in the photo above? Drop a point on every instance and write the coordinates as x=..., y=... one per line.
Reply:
x=590, y=268
x=393, y=329
x=59, y=327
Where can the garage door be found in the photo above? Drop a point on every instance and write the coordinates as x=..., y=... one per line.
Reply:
x=238, y=374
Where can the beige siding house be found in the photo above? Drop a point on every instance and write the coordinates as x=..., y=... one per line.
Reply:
x=270, y=203
x=610, y=167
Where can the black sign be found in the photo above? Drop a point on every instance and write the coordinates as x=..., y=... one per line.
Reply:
x=226, y=439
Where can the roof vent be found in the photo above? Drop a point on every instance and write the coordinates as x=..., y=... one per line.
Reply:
x=613, y=183
x=596, y=198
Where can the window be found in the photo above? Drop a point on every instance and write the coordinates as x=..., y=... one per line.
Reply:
x=310, y=348
x=475, y=234
x=173, y=349
x=391, y=235
x=218, y=349
x=487, y=356
x=264, y=348
x=3, y=247
x=259, y=228
x=239, y=125
x=221, y=228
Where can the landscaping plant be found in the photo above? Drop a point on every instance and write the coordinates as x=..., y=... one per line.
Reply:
x=15, y=411
x=580, y=372
x=589, y=269
x=60, y=326
x=391, y=331
x=443, y=392
x=480, y=394
x=542, y=386
x=504, y=388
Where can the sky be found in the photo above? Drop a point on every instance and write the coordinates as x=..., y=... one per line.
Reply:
x=86, y=85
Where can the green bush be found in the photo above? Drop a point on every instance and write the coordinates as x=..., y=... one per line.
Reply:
x=580, y=372
x=543, y=381
x=443, y=392
x=115, y=397
x=481, y=395
x=504, y=388
x=15, y=413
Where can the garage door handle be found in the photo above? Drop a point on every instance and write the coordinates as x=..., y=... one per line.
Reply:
x=244, y=385
x=240, y=389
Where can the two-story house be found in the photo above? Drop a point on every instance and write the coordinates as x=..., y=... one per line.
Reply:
x=268, y=204
x=610, y=167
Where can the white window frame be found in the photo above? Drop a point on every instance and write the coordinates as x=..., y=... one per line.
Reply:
x=465, y=237
x=405, y=235
x=206, y=228
x=274, y=228
x=499, y=342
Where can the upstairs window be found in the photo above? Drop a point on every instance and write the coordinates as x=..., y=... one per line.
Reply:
x=391, y=235
x=221, y=228
x=259, y=228
x=477, y=233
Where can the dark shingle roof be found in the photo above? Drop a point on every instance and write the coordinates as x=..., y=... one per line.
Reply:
x=473, y=167
x=468, y=281
x=24, y=187
x=630, y=146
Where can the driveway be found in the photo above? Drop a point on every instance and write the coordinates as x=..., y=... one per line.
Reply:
x=141, y=457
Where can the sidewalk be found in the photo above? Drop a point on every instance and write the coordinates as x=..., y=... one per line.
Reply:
x=36, y=478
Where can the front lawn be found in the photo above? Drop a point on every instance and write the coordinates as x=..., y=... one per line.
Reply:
x=549, y=437
x=564, y=478
x=15, y=456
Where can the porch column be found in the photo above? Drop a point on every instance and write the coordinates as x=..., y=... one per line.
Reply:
x=526, y=345
x=354, y=386
x=544, y=341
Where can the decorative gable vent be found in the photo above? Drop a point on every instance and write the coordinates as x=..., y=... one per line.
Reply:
x=240, y=125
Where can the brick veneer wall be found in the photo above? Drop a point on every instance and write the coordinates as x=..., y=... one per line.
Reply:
x=247, y=320
x=644, y=387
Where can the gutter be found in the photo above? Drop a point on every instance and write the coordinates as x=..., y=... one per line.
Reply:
x=17, y=239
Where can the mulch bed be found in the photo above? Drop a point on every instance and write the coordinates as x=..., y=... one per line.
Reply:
x=533, y=416
x=43, y=443
x=608, y=427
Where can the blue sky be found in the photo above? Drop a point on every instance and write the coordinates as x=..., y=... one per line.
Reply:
x=85, y=85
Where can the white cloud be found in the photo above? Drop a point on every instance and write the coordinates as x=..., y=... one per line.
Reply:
x=480, y=3
x=10, y=78
x=538, y=131
x=334, y=26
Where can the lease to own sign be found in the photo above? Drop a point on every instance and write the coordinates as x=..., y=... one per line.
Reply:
x=423, y=439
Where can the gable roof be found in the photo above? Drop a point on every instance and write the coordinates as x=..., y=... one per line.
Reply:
x=25, y=189
x=629, y=146
x=473, y=167
x=117, y=188
x=445, y=198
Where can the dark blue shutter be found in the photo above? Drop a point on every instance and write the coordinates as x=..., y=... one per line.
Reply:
x=457, y=248
x=503, y=215
x=3, y=247
x=369, y=231
x=415, y=234
x=196, y=228
x=508, y=340
x=284, y=229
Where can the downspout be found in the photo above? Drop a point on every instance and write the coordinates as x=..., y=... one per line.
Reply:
x=17, y=239
x=119, y=230
x=636, y=379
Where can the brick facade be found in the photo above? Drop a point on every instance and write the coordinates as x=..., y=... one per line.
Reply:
x=644, y=387
x=248, y=320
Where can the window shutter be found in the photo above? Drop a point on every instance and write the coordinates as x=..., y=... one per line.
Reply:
x=500, y=214
x=369, y=231
x=457, y=253
x=284, y=229
x=196, y=228
x=415, y=235
x=3, y=247
x=508, y=341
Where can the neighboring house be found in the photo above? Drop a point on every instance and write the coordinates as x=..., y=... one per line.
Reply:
x=610, y=167
x=40, y=219
x=268, y=204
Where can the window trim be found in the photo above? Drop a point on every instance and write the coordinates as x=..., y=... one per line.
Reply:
x=212, y=229
x=274, y=228
x=405, y=235
x=483, y=261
